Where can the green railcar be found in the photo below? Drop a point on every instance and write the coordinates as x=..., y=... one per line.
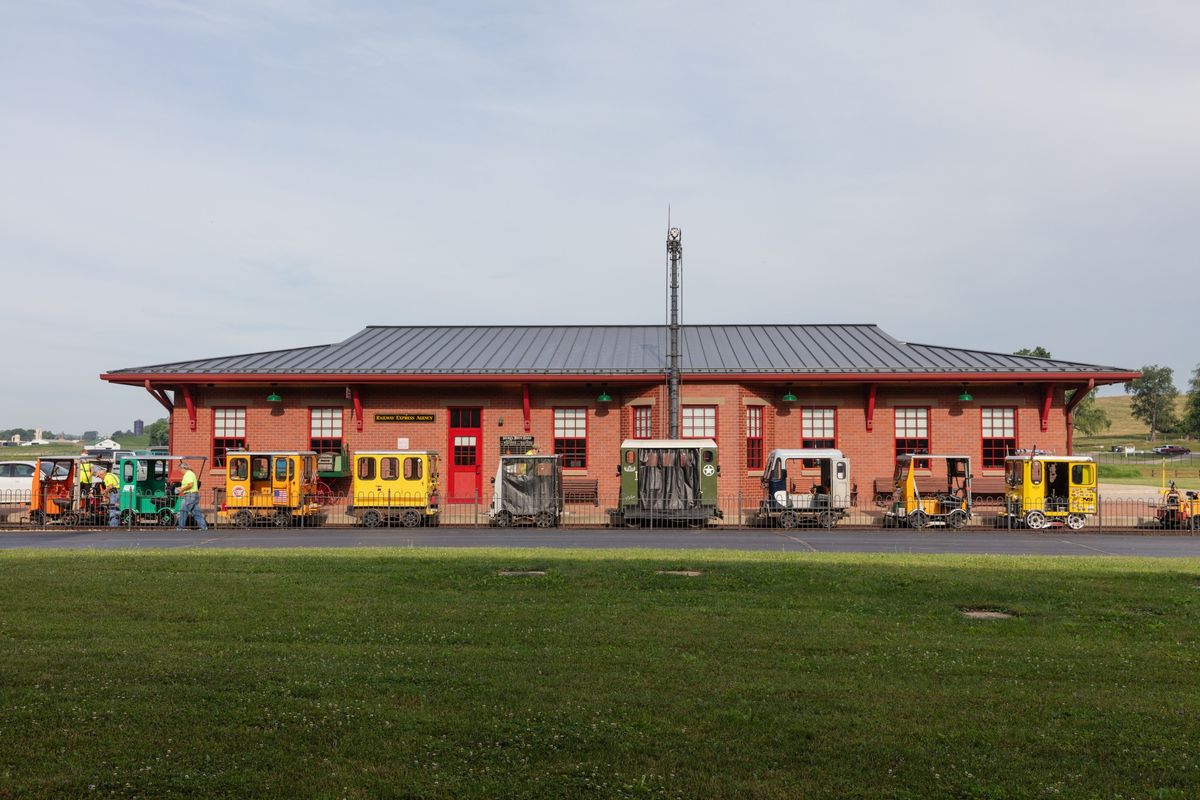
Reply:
x=667, y=482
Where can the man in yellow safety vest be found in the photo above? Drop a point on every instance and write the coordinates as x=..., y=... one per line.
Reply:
x=189, y=490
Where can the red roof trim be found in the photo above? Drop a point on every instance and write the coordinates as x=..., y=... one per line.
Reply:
x=138, y=379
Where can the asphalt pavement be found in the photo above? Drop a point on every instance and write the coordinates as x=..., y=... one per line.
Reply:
x=836, y=541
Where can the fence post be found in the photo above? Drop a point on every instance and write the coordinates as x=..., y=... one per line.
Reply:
x=1100, y=511
x=740, y=519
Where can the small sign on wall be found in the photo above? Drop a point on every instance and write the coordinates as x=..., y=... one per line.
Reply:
x=401, y=442
x=406, y=417
x=515, y=445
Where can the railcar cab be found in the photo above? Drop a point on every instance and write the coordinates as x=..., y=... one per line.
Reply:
x=930, y=490
x=277, y=488
x=54, y=493
x=1043, y=489
x=805, y=487
x=149, y=486
x=527, y=490
x=395, y=487
x=1178, y=509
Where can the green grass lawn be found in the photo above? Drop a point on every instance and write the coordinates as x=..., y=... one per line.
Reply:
x=1135, y=474
x=409, y=673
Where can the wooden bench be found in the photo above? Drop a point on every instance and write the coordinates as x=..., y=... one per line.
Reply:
x=581, y=490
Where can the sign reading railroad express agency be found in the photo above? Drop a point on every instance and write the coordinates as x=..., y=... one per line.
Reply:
x=405, y=417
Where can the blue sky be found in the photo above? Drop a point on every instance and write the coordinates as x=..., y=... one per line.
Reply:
x=188, y=179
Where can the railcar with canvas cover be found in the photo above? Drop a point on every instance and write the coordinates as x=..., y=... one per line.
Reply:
x=667, y=482
x=930, y=491
x=1045, y=490
x=395, y=487
x=527, y=490
x=805, y=487
x=270, y=488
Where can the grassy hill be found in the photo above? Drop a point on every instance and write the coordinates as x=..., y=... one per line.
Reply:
x=1126, y=430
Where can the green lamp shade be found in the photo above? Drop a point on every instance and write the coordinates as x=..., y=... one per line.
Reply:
x=789, y=397
x=274, y=398
x=966, y=396
x=604, y=397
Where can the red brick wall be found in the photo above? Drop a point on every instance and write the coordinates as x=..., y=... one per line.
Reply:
x=955, y=427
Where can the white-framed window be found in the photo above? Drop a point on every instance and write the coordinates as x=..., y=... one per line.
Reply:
x=912, y=432
x=570, y=436
x=325, y=430
x=698, y=422
x=999, y=434
x=229, y=433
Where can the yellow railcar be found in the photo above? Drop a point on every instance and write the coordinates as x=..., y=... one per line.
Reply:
x=1043, y=490
x=921, y=501
x=395, y=487
x=276, y=488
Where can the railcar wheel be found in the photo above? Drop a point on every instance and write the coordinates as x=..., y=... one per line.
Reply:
x=1035, y=520
x=503, y=519
x=957, y=519
x=372, y=519
x=1192, y=524
x=411, y=519
x=126, y=518
x=282, y=519
x=37, y=517
x=166, y=518
x=545, y=519
x=918, y=520
x=826, y=519
x=788, y=519
x=1075, y=521
x=243, y=519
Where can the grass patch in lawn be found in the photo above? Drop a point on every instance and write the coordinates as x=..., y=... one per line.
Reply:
x=428, y=674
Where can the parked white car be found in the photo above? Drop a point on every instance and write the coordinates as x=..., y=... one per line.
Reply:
x=16, y=481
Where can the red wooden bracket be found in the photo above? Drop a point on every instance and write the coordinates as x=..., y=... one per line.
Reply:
x=1047, y=401
x=525, y=404
x=358, y=415
x=191, y=406
x=161, y=397
x=871, y=389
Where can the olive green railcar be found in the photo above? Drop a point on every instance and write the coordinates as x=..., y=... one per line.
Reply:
x=667, y=482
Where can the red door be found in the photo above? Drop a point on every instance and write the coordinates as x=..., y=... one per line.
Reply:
x=466, y=456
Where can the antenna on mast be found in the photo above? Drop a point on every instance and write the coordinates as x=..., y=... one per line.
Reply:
x=675, y=267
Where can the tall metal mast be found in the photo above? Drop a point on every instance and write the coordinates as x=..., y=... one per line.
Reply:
x=675, y=256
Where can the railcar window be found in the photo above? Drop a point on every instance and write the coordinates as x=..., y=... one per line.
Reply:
x=1035, y=472
x=841, y=470
x=308, y=468
x=143, y=471
x=260, y=468
x=543, y=468
x=284, y=469
x=1081, y=475
x=160, y=470
x=366, y=469
x=389, y=468
x=239, y=468
x=412, y=469
x=127, y=475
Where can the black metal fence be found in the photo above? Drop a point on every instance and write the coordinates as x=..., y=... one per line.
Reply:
x=1113, y=512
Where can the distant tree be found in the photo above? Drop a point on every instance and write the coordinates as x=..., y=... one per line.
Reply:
x=91, y=436
x=160, y=432
x=1191, y=411
x=1088, y=418
x=1154, y=398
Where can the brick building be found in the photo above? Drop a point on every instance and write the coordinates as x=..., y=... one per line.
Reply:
x=580, y=390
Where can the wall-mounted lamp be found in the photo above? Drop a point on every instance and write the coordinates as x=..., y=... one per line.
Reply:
x=965, y=396
x=604, y=397
x=274, y=398
x=788, y=397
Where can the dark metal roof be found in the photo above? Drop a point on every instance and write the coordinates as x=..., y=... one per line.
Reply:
x=617, y=350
